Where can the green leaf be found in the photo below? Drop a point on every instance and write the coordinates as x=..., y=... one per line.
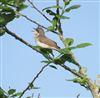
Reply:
x=71, y=8
x=65, y=57
x=57, y=61
x=55, y=6
x=3, y=1
x=2, y=31
x=19, y=2
x=83, y=45
x=54, y=22
x=62, y=17
x=36, y=48
x=52, y=66
x=47, y=62
x=29, y=97
x=50, y=12
x=16, y=94
x=64, y=51
x=50, y=28
x=7, y=14
x=46, y=50
x=11, y=91
x=67, y=2
x=22, y=7
x=2, y=93
x=68, y=41
x=81, y=81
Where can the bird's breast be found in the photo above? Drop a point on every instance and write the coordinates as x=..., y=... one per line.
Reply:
x=42, y=44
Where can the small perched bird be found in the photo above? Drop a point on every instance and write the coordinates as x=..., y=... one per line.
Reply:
x=44, y=41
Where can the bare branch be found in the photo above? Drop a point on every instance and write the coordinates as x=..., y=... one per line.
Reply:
x=34, y=22
x=72, y=71
x=39, y=10
x=20, y=39
x=78, y=96
x=31, y=20
x=37, y=75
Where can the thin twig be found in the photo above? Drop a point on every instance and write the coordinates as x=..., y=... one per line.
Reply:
x=39, y=10
x=72, y=71
x=35, y=22
x=78, y=96
x=60, y=34
x=31, y=20
x=59, y=22
x=37, y=75
x=89, y=82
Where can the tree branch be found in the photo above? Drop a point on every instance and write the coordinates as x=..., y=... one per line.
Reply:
x=31, y=20
x=39, y=11
x=23, y=41
x=59, y=22
x=90, y=83
x=20, y=39
x=35, y=22
x=72, y=71
x=37, y=75
x=60, y=34
x=94, y=89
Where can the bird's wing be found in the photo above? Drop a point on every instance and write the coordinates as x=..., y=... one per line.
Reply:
x=48, y=41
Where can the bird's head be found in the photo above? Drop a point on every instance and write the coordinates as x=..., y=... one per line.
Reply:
x=39, y=31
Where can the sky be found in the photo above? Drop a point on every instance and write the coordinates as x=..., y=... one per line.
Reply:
x=19, y=64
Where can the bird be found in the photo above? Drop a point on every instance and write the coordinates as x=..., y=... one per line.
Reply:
x=44, y=41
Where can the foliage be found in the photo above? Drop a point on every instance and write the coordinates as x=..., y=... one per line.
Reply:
x=2, y=93
x=8, y=12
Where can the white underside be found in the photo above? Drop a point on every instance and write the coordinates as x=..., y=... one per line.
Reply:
x=44, y=45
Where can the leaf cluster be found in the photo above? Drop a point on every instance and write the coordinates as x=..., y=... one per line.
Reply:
x=81, y=81
x=63, y=10
x=8, y=10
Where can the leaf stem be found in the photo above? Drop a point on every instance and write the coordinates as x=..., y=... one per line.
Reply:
x=37, y=75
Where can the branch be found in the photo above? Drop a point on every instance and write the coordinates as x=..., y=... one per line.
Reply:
x=37, y=75
x=20, y=39
x=95, y=90
x=39, y=11
x=72, y=71
x=34, y=22
x=59, y=22
x=91, y=85
x=60, y=34
x=31, y=20
x=59, y=27
x=23, y=41
x=78, y=96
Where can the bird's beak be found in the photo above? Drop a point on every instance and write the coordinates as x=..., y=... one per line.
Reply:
x=34, y=30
